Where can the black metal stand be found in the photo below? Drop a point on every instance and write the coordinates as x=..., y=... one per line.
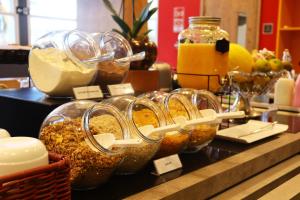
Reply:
x=204, y=75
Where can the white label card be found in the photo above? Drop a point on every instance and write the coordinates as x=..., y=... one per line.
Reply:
x=88, y=92
x=120, y=89
x=167, y=164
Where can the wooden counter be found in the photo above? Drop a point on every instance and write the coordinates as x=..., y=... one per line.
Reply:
x=208, y=181
x=220, y=170
x=213, y=171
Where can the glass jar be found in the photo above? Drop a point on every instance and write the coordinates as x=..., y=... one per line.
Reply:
x=202, y=134
x=202, y=54
x=202, y=99
x=79, y=131
x=112, y=72
x=141, y=114
x=174, y=105
x=56, y=62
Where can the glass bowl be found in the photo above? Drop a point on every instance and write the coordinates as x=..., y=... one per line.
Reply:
x=255, y=83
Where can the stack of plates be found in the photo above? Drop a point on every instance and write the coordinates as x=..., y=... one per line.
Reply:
x=252, y=131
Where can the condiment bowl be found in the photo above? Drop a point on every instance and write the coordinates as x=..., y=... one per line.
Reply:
x=21, y=153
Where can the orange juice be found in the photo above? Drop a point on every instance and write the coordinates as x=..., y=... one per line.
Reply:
x=202, y=59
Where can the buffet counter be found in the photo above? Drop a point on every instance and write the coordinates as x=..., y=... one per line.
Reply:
x=219, y=169
x=215, y=178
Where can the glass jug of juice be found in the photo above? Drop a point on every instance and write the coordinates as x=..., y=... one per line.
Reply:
x=202, y=54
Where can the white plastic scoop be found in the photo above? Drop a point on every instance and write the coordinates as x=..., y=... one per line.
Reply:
x=188, y=124
x=108, y=141
x=110, y=56
x=134, y=57
x=102, y=58
x=229, y=115
x=149, y=129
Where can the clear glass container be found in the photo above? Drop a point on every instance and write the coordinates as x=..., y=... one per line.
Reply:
x=112, y=72
x=141, y=114
x=79, y=131
x=56, y=62
x=203, y=134
x=174, y=105
x=202, y=54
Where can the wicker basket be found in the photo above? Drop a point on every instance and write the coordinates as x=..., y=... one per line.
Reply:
x=45, y=182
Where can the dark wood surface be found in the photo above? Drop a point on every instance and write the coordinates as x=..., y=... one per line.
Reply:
x=23, y=110
x=119, y=187
x=14, y=61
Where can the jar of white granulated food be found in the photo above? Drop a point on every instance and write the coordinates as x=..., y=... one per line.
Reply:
x=56, y=62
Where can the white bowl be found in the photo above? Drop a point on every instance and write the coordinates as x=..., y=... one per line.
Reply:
x=21, y=153
x=4, y=133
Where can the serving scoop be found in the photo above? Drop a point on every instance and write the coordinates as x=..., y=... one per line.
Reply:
x=228, y=115
x=149, y=129
x=110, y=57
x=134, y=57
x=108, y=141
x=188, y=124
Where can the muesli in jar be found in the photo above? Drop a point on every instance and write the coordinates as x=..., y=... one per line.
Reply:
x=147, y=126
x=74, y=131
x=202, y=134
x=173, y=106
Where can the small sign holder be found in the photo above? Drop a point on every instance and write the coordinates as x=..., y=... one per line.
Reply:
x=120, y=89
x=87, y=92
x=167, y=164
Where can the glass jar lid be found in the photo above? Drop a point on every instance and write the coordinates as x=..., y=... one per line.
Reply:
x=202, y=99
x=173, y=105
x=143, y=116
x=143, y=113
x=104, y=124
x=80, y=46
x=114, y=42
x=204, y=20
x=178, y=105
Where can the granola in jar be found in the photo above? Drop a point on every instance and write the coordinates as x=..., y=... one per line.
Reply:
x=73, y=130
x=172, y=106
x=139, y=113
x=203, y=134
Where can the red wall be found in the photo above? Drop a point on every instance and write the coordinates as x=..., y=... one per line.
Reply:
x=167, y=52
x=167, y=39
x=269, y=14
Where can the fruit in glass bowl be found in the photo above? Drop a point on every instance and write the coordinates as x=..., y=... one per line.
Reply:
x=254, y=83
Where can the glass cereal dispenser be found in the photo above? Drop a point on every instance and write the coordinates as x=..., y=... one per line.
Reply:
x=203, y=134
x=56, y=62
x=202, y=54
x=147, y=124
x=178, y=110
x=86, y=132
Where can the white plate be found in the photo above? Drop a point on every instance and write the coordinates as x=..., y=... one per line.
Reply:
x=236, y=133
